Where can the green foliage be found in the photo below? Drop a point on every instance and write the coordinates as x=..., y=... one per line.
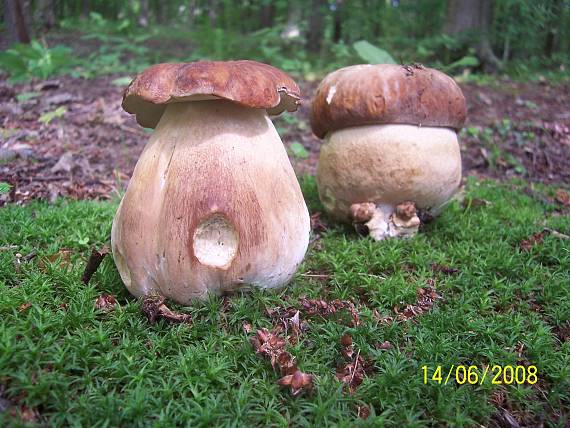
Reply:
x=122, y=81
x=34, y=60
x=51, y=115
x=82, y=367
x=298, y=150
x=4, y=187
x=372, y=54
x=469, y=61
x=25, y=96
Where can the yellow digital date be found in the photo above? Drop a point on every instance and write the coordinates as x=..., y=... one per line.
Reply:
x=475, y=375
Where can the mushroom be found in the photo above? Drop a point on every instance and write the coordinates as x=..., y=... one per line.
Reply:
x=390, y=152
x=213, y=204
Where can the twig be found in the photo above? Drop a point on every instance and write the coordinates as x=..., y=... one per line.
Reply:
x=555, y=233
x=355, y=367
x=372, y=275
x=8, y=247
x=314, y=275
x=30, y=256
x=52, y=178
x=93, y=263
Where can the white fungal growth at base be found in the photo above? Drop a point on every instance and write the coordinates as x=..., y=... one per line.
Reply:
x=215, y=242
x=384, y=220
x=331, y=93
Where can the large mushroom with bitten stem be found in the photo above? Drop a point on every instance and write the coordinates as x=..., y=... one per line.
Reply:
x=390, y=152
x=213, y=204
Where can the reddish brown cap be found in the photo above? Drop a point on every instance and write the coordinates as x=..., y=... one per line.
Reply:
x=387, y=93
x=249, y=83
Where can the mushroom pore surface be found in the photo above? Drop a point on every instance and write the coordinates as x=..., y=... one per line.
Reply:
x=388, y=165
x=213, y=205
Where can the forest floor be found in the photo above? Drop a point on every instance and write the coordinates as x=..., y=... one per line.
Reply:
x=90, y=146
x=484, y=284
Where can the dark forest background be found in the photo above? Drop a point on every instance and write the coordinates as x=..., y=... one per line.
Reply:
x=517, y=37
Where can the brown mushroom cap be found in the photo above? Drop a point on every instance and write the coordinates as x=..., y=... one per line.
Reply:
x=248, y=83
x=387, y=93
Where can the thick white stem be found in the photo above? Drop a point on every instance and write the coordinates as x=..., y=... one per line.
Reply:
x=213, y=205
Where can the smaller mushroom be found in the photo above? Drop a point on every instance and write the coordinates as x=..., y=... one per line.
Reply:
x=391, y=154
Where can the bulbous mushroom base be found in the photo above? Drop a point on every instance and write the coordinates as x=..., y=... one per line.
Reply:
x=385, y=176
x=213, y=206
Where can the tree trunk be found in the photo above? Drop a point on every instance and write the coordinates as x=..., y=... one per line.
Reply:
x=15, y=22
x=143, y=13
x=553, y=25
x=315, y=32
x=45, y=14
x=473, y=15
x=337, y=21
x=192, y=5
x=267, y=14
x=84, y=10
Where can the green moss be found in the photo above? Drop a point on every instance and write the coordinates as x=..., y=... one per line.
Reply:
x=78, y=366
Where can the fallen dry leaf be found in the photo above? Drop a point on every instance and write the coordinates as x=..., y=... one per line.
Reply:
x=93, y=263
x=317, y=224
x=65, y=163
x=384, y=345
x=106, y=303
x=324, y=308
x=63, y=255
x=28, y=414
x=353, y=372
x=446, y=270
x=363, y=412
x=535, y=239
x=562, y=197
x=425, y=299
x=298, y=381
x=153, y=308
x=24, y=306
x=271, y=345
x=246, y=327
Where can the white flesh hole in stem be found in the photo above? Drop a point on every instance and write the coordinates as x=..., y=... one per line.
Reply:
x=215, y=242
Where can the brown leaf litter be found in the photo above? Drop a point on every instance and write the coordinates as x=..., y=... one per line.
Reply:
x=535, y=239
x=562, y=197
x=106, y=303
x=355, y=369
x=271, y=345
x=317, y=307
x=153, y=308
x=446, y=270
x=425, y=299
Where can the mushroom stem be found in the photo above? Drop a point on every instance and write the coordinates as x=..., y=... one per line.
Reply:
x=213, y=205
x=386, y=221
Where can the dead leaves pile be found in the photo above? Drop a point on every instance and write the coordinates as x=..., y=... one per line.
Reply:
x=318, y=307
x=562, y=197
x=535, y=239
x=271, y=345
x=106, y=303
x=425, y=299
x=355, y=369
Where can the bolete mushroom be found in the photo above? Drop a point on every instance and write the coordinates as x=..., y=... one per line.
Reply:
x=213, y=204
x=391, y=151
